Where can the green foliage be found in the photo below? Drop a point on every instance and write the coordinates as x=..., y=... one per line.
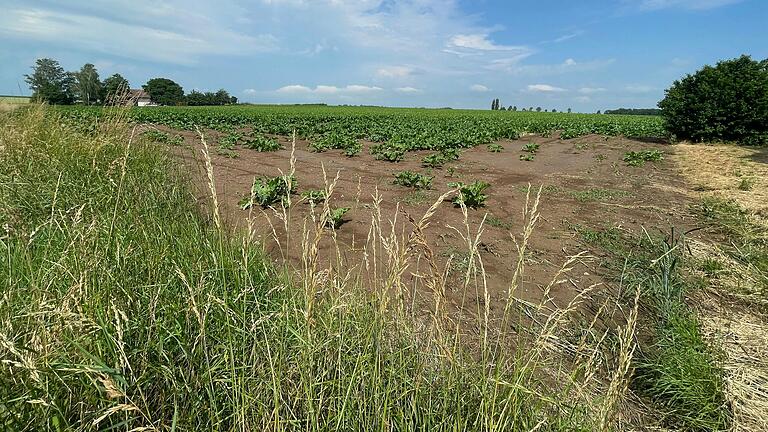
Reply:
x=471, y=195
x=388, y=152
x=262, y=144
x=221, y=97
x=314, y=196
x=269, y=191
x=164, y=91
x=413, y=180
x=529, y=157
x=336, y=217
x=163, y=137
x=114, y=88
x=531, y=147
x=338, y=141
x=50, y=83
x=639, y=158
x=437, y=160
x=726, y=102
x=87, y=87
x=495, y=148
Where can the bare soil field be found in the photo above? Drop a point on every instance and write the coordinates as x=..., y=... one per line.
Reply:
x=585, y=185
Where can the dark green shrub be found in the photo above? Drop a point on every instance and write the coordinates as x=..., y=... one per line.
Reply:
x=727, y=102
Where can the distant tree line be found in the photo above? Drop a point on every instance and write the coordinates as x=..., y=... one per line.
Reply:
x=635, y=111
x=50, y=83
x=497, y=106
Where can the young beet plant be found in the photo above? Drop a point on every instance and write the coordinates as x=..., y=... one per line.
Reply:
x=336, y=217
x=269, y=191
x=495, y=148
x=413, y=180
x=471, y=195
x=530, y=150
x=314, y=196
x=262, y=144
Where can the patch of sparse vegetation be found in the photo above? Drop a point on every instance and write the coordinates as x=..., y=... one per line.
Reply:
x=336, y=217
x=314, y=196
x=639, y=158
x=413, y=180
x=597, y=194
x=495, y=148
x=163, y=137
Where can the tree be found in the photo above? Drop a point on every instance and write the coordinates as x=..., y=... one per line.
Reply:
x=530, y=108
x=113, y=88
x=569, y=110
x=514, y=108
x=164, y=91
x=538, y=109
x=222, y=97
x=554, y=110
x=598, y=112
x=727, y=102
x=87, y=87
x=49, y=82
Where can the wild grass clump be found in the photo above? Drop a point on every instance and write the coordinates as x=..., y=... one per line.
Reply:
x=123, y=307
x=677, y=370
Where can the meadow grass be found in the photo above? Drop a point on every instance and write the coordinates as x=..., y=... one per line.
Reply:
x=676, y=368
x=125, y=306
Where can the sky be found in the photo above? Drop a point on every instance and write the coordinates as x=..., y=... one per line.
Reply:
x=585, y=55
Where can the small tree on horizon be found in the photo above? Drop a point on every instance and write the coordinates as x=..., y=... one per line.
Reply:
x=49, y=82
x=114, y=87
x=87, y=85
x=164, y=91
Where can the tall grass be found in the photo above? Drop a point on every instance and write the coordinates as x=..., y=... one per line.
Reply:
x=123, y=307
x=676, y=369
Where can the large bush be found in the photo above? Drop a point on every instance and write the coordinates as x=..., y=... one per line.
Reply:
x=727, y=102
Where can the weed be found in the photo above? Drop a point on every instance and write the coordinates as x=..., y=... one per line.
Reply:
x=413, y=180
x=639, y=158
x=268, y=191
x=498, y=222
x=336, y=217
x=495, y=148
x=314, y=196
x=746, y=184
x=470, y=195
x=531, y=148
x=416, y=197
x=529, y=157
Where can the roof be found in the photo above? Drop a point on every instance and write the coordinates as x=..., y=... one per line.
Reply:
x=138, y=94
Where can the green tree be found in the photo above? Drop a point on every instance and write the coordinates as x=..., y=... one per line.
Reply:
x=49, y=82
x=727, y=102
x=87, y=86
x=569, y=110
x=538, y=109
x=514, y=108
x=221, y=97
x=164, y=91
x=113, y=88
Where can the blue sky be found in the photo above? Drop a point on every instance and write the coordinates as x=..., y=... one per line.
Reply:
x=586, y=54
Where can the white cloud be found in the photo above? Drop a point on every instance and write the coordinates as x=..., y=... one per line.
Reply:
x=479, y=42
x=591, y=90
x=327, y=90
x=568, y=36
x=408, y=90
x=639, y=88
x=478, y=88
x=394, y=72
x=544, y=88
x=514, y=66
x=250, y=91
x=294, y=89
x=189, y=37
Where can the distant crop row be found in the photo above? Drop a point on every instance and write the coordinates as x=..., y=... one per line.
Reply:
x=397, y=130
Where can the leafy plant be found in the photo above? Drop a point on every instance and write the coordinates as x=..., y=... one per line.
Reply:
x=268, y=191
x=262, y=144
x=388, y=152
x=162, y=137
x=336, y=217
x=314, y=196
x=337, y=141
x=527, y=157
x=471, y=195
x=639, y=158
x=531, y=148
x=495, y=148
x=413, y=180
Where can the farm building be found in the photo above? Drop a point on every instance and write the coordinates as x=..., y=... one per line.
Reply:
x=140, y=98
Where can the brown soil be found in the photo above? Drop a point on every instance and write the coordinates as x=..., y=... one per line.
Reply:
x=653, y=196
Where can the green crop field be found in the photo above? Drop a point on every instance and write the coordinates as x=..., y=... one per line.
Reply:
x=406, y=129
